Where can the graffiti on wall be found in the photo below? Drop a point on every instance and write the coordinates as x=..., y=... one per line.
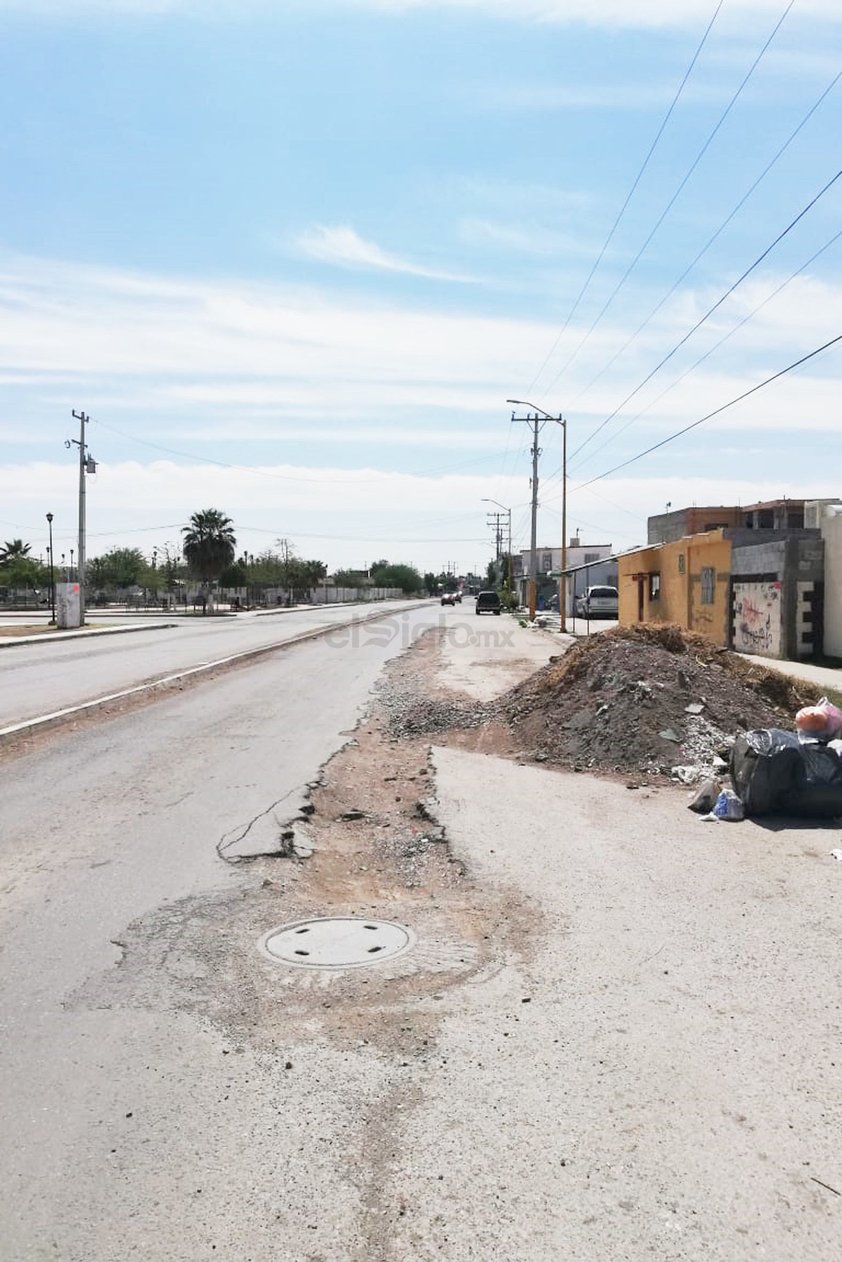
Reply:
x=757, y=618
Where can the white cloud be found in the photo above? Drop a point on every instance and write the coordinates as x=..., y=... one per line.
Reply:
x=527, y=239
x=344, y=247
x=604, y=13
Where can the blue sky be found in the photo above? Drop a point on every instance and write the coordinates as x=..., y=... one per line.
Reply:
x=293, y=259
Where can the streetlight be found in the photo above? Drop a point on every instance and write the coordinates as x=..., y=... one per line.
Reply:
x=562, y=582
x=486, y=500
x=52, y=578
x=71, y=565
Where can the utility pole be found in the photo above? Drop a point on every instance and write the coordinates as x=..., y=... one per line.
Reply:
x=494, y=519
x=86, y=465
x=537, y=425
x=507, y=512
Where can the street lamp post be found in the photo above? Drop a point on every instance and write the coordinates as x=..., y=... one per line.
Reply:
x=533, y=564
x=486, y=500
x=52, y=577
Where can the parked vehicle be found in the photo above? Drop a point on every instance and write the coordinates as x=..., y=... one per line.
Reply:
x=488, y=602
x=598, y=602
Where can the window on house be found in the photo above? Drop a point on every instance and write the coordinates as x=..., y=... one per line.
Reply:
x=546, y=561
x=708, y=584
x=591, y=558
x=681, y=563
x=654, y=587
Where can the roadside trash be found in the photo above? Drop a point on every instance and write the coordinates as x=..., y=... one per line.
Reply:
x=836, y=854
x=669, y=735
x=695, y=708
x=775, y=773
x=705, y=797
x=686, y=775
x=728, y=806
x=821, y=721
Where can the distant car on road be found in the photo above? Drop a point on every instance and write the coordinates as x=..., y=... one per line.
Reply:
x=488, y=602
x=598, y=602
x=448, y=599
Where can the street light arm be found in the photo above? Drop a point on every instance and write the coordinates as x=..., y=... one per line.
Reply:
x=524, y=403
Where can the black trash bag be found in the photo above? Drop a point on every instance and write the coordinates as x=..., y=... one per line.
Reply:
x=775, y=774
x=818, y=790
x=764, y=769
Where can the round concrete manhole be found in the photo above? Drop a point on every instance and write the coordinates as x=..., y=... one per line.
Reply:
x=337, y=942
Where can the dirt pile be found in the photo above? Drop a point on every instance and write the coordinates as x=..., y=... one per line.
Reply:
x=646, y=699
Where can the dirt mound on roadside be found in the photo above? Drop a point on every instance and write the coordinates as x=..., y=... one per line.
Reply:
x=646, y=698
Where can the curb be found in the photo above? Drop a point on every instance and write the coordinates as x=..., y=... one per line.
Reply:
x=12, y=641
x=57, y=717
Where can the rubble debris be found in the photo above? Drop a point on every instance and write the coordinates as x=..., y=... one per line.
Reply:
x=650, y=676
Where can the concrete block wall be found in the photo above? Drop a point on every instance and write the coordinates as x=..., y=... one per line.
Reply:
x=796, y=561
x=831, y=528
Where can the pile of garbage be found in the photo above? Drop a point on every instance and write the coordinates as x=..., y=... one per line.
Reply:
x=648, y=699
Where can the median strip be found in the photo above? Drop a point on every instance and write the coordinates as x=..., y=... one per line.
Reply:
x=58, y=717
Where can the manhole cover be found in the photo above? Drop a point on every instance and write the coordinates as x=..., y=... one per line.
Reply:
x=336, y=942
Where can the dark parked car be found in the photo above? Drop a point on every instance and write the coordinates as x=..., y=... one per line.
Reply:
x=488, y=602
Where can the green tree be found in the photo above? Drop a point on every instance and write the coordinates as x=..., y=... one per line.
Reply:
x=234, y=576
x=23, y=572
x=209, y=545
x=406, y=577
x=120, y=567
x=349, y=578
x=13, y=550
x=431, y=583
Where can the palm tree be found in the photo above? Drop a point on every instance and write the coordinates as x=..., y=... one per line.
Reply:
x=13, y=550
x=209, y=545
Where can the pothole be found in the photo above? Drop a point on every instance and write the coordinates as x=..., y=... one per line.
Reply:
x=336, y=942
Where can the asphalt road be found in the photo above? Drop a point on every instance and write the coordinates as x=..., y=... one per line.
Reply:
x=137, y=1121
x=39, y=678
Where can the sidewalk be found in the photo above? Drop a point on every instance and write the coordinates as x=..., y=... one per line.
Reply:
x=12, y=641
x=821, y=676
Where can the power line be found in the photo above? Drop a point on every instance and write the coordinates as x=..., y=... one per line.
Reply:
x=265, y=473
x=709, y=416
x=629, y=196
x=710, y=241
x=612, y=437
x=674, y=197
x=711, y=310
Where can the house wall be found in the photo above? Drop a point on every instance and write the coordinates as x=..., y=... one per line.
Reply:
x=778, y=593
x=688, y=597
x=758, y=621
x=600, y=571
x=831, y=528
x=670, y=527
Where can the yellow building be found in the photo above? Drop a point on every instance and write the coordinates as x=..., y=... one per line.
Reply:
x=685, y=582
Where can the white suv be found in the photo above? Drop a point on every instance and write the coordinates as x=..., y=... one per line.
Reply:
x=598, y=602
